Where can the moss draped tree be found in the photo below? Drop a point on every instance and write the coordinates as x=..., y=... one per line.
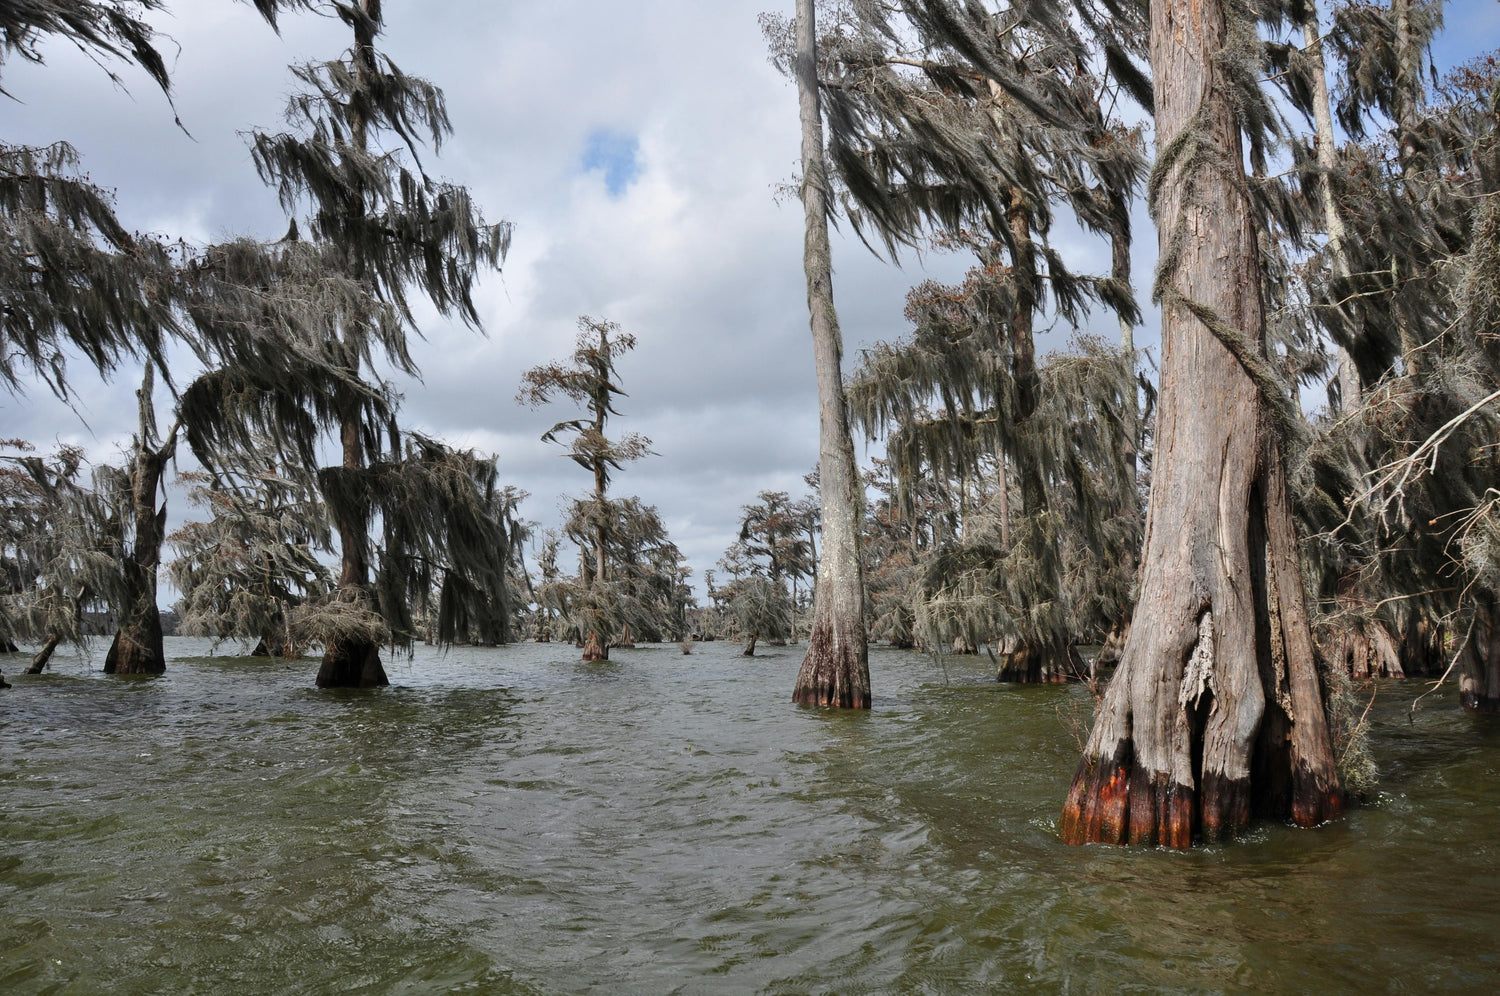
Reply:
x=1216, y=712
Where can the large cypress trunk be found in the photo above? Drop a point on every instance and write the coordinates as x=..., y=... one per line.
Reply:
x=836, y=670
x=1216, y=712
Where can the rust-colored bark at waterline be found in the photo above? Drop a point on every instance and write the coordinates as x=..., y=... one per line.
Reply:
x=835, y=673
x=593, y=649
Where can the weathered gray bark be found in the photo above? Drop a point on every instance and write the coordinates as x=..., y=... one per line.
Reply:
x=1216, y=711
x=137, y=646
x=836, y=670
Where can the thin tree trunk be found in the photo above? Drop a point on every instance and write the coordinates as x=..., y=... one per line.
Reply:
x=137, y=646
x=1216, y=712
x=39, y=662
x=750, y=646
x=1350, y=391
x=836, y=670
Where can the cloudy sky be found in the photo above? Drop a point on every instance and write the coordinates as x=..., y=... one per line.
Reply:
x=636, y=147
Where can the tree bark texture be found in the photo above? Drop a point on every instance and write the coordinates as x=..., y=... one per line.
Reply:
x=1363, y=652
x=1216, y=712
x=594, y=649
x=1029, y=664
x=750, y=645
x=836, y=670
x=1479, y=665
x=137, y=646
x=352, y=663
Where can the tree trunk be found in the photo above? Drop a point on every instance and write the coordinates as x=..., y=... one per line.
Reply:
x=1030, y=665
x=750, y=647
x=352, y=662
x=1479, y=665
x=7, y=647
x=355, y=663
x=594, y=649
x=1363, y=651
x=137, y=646
x=39, y=662
x=836, y=670
x=1216, y=712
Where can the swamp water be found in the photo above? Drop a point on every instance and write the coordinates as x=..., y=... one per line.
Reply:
x=516, y=821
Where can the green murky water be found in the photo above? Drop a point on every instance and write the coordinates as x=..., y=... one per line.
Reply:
x=513, y=821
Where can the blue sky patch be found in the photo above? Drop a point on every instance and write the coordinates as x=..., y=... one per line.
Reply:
x=616, y=155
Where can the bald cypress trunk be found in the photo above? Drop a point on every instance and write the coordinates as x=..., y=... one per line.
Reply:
x=137, y=646
x=836, y=670
x=354, y=662
x=1479, y=665
x=1216, y=712
x=1051, y=657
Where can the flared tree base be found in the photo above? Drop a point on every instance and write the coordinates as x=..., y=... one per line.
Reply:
x=137, y=649
x=835, y=673
x=352, y=664
x=1487, y=704
x=1116, y=801
x=1029, y=664
x=1362, y=652
x=593, y=649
